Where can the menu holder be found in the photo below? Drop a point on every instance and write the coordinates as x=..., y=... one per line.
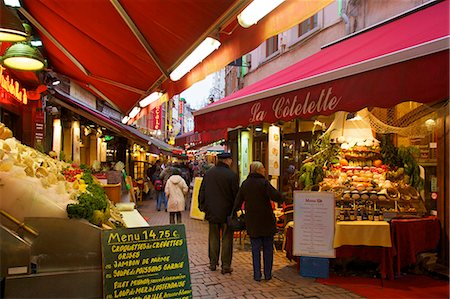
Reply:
x=146, y=262
x=314, y=220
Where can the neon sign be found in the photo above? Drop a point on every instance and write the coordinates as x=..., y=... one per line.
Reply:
x=12, y=87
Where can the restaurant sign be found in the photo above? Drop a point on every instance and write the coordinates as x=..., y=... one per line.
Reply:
x=13, y=87
x=157, y=118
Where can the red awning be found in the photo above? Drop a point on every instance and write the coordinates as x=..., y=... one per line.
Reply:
x=403, y=60
x=125, y=49
x=192, y=140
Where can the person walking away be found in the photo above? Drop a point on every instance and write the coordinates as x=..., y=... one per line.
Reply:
x=164, y=176
x=256, y=193
x=216, y=197
x=176, y=189
x=159, y=190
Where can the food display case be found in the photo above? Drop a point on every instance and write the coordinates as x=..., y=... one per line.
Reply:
x=52, y=214
x=367, y=189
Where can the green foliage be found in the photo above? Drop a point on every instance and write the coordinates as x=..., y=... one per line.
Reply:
x=324, y=152
x=402, y=157
x=89, y=202
x=389, y=152
x=412, y=171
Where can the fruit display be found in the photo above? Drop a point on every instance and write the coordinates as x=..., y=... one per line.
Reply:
x=364, y=185
x=33, y=184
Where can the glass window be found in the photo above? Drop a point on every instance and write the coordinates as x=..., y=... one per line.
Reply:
x=271, y=45
x=307, y=25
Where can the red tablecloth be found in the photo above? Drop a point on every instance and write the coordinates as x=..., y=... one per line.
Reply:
x=412, y=236
x=409, y=237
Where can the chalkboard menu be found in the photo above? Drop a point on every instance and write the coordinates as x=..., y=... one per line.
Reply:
x=146, y=263
x=314, y=222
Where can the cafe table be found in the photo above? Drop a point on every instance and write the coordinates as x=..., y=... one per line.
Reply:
x=366, y=240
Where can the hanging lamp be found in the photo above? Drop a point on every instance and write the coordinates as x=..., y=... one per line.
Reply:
x=11, y=28
x=22, y=56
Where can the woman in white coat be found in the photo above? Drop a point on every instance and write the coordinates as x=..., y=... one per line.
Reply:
x=176, y=189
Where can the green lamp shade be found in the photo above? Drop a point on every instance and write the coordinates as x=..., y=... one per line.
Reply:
x=11, y=28
x=23, y=57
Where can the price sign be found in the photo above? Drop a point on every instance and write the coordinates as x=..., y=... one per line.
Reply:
x=146, y=263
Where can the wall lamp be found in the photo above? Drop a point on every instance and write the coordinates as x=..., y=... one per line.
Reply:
x=150, y=99
x=11, y=28
x=208, y=46
x=255, y=11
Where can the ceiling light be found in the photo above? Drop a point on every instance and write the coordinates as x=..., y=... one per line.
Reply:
x=11, y=28
x=150, y=99
x=258, y=129
x=134, y=112
x=36, y=43
x=200, y=53
x=12, y=3
x=125, y=119
x=56, y=82
x=255, y=11
x=22, y=56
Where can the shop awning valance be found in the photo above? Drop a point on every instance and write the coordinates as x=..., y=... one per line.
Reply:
x=405, y=59
x=156, y=146
x=199, y=139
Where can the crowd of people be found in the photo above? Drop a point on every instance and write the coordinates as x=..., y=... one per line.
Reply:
x=220, y=196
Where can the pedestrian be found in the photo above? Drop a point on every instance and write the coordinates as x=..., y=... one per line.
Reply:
x=164, y=176
x=216, y=198
x=151, y=170
x=159, y=190
x=176, y=189
x=256, y=193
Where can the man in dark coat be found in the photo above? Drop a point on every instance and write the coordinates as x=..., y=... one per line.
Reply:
x=216, y=198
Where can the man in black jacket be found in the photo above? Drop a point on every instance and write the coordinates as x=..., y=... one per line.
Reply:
x=216, y=198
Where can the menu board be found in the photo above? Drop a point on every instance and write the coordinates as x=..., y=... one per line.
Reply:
x=314, y=222
x=195, y=211
x=146, y=262
x=274, y=151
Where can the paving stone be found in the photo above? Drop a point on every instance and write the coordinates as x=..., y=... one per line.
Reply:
x=286, y=281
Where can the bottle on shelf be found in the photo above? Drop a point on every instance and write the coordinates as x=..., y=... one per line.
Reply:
x=359, y=215
x=381, y=215
x=376, y=215
x=365, y=215
x=341, y=214
x=346, y=215
x=370, y=214
x=352, y=215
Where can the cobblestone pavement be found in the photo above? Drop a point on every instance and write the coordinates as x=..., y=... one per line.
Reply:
x=286, y=281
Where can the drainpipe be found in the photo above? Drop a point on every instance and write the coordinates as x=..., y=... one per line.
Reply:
x=345, y=17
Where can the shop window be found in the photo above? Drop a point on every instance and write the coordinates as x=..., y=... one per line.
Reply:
x=271, y=46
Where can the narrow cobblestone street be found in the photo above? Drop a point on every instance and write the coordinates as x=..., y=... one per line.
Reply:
x=286, y=281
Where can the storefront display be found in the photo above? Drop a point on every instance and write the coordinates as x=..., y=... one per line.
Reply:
x=37, y=185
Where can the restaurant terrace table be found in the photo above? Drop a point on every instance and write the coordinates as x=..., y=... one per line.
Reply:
x=366, y=240
x=408, y=237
